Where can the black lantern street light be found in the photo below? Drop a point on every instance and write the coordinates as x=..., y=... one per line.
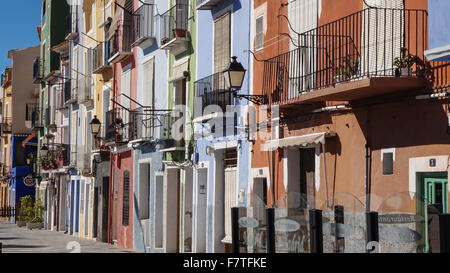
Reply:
x=95, y=126
x=234, y=78
x=44, y=151
x=234, y=74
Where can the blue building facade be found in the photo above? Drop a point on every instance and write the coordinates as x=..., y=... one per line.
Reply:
x=20, y=169
x=152, y=88
x=222, y=150
x=439, y=33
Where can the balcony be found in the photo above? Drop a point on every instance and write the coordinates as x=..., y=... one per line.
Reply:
x=208, y=4
x=100, y=62
x=85, y=95
x=144, y=26
x=36, y=120
x=37, y=70
x=174, y=29
x=5, y=171
x=349, y=59
x=170, y=143
x=58, y=157
x=142, y=124
x=212, y=91
x=72, y=25
x=6, y=126
x=50, y=117
x=117, y=128
x=70, y=95
x=121, y=41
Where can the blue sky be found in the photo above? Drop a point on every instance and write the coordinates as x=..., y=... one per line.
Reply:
x=19, y=19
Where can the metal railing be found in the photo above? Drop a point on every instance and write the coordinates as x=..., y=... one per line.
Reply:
x=143, y=24
x=7, y=212
x=6, y=125
x=118, y=125
x=174, y=23
x=122, y=39
x=213, y=91
x=67, y=91
x=36, y=119
x=37, y=70
x=142, y=124
x=100, y=57
x=361, y=45
x=84, y=89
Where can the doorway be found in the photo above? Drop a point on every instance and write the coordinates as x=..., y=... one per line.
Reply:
x=435, y=203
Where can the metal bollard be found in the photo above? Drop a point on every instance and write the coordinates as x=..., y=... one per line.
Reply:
x=372, y=228
x=315, y=231
x=235, y=229
x=270, y=213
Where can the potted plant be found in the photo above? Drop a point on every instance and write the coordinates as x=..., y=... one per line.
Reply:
x=37, y=219
x=347, y=70
x=404, y=63
x=25, y=210
x=179, y=32
x=164, y=40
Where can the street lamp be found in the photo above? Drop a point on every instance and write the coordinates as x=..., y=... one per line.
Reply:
x=44, y=151
x=234, y=74
x=95, y=126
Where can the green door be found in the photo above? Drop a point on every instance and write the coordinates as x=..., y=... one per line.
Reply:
x=436, y=198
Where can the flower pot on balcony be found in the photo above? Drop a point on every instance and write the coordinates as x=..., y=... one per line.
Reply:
x=164, y=40
x=180, y=33
x=403, y=72
x=31, y=225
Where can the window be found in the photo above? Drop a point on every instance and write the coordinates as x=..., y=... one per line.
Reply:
x=126, y=199
x=148, y=82
x=259, y=35
x=222, y=43
x=88, y=19
x=44, y=10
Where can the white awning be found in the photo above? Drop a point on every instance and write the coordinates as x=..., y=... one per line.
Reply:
x=297, y=141
x=178, y=71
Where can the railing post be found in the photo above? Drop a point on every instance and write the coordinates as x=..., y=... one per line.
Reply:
x=372, y=228
x=315, y=231
x=444, y=234
x=339, y=219
x=235, y=229
x=270, y=214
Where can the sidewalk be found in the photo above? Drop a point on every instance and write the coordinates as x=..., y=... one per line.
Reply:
x=23, y=240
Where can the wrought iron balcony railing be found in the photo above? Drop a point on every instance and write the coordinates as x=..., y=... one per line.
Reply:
x=37, y=70
x=143, y=24
x=118, y=126
x=36, y=119
x=84, y=90
x=142, y=124
x=174, y=23
x=213, y=91
x=101, y=56
x=366, y=44
x=120, y=43
x=69, y=95
x=6, y=126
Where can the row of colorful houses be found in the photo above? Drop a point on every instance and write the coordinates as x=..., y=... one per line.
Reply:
x=328, y=103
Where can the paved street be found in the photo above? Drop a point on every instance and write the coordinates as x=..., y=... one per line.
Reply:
x=23, y=240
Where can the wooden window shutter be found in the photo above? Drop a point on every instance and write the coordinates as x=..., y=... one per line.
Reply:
x=222, y=43
x=149, y=82
x=126, y=199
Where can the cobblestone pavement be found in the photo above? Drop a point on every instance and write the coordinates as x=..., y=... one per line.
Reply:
x=23, y=240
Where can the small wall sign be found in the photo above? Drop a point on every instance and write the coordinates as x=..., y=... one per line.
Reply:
x=29, y=181
x=433, y=162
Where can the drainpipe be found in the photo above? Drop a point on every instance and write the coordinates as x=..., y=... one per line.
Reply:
x=367, y=186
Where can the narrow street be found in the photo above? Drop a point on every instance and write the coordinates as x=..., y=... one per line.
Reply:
x=23, y=240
